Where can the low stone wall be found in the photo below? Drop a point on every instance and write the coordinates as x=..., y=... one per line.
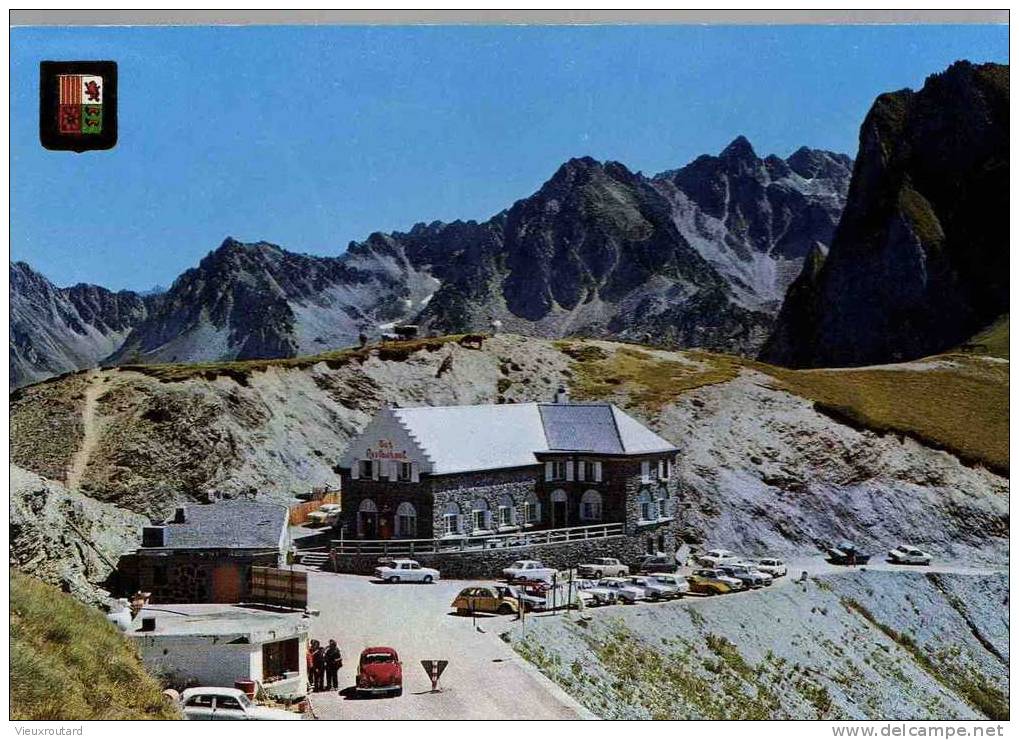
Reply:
x=489, y=563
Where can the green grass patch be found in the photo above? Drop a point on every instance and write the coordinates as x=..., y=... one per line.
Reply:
x=69, y=663
x=961, y=407
x=649, y=380
x=992, y=341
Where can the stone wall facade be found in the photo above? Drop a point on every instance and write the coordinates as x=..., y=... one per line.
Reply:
x=489, y=563
x=649, y=508
x=189, y=578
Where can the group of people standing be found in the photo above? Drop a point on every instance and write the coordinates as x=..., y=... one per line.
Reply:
x=324, y=665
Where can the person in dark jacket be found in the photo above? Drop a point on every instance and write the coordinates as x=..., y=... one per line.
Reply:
x=318, y=662
x=333, y=663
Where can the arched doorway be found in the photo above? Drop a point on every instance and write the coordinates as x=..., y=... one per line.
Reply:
x=367, y=520
x=559, y=509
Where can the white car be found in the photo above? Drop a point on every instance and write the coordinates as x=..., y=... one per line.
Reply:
x=603, y=568
x=772, y=566
x=653, y=588
x=623, y=590
x=677, y=582
x=716, y=557
x=215, y=702
x=406, y=571
x=598, y=596
x=526, y=570
x=325, y=514
x=909, y=555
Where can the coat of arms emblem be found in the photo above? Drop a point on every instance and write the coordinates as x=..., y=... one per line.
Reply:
x=81, y=104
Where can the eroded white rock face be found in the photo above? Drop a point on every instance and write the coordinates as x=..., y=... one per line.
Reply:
x=66, y=539
x=767, y=472
x=853, y=645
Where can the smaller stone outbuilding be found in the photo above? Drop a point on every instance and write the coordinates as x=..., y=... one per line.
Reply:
x=204, y=553
x=216, y=645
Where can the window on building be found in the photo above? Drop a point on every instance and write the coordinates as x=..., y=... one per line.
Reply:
x=663, y=505
x=532, y=508
x=648, y=510
x=582, y=470
x=364, y=468
x=278, y=658
x=663, y=469
x=404, y=472
x=650, y=547
x=451, y=519
x=590, y=506
x=406, y=520
x=645, y=471
x=555, y=470
x=507, y=511
x=480, y=515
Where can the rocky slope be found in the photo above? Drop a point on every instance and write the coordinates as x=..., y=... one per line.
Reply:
x=699, y=256
x=919, y=262
x=58, y=330
x=763, y=469
x=856, y=645
x=67, y=539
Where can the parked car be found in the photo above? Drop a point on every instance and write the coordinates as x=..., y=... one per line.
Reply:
x=490, y=599
x=379, y=672
x=603, y=568
x=624, y=591
x=600, y=596
x=532, y=594
x=215, y=702
x=659, y=564
x=678, y=582
x=716, y=557
x=527, y=570
x=847, y=554
x=711, y=581
x=909, y=555
x=406, y=571
x=325, y=514
x=772, y=566
x=653, y=588
x=750, y=577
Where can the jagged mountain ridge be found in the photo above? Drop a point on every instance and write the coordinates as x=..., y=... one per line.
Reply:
x=598, y=250
x=920, y=259
x=57, y=330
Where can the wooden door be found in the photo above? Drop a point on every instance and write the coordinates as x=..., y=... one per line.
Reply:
x=227, y=584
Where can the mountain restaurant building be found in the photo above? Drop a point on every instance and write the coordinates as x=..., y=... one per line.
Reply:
x=454, y=471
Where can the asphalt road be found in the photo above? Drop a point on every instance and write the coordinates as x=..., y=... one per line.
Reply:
x=485, y=679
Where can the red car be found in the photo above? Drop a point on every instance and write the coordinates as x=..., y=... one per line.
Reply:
x=380, y=672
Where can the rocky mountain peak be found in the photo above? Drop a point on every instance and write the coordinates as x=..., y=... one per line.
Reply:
x=739, y=148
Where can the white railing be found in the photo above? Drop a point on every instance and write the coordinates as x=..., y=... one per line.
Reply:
x=468, y=543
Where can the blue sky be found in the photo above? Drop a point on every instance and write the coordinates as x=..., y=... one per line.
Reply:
x=312, y=137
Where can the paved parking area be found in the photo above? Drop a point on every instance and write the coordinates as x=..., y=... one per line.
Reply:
x=485, y=679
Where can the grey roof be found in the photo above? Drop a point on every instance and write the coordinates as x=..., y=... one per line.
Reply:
x=459, y=439
x=580, y=427
x=241, y=525
x=221, y=620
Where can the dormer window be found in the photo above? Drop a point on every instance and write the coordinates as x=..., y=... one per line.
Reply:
x=404, y=472
x=555, y=470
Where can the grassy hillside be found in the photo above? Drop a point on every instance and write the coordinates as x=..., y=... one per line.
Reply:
x=954, y=402
x=992, y=341
x=69, y=663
